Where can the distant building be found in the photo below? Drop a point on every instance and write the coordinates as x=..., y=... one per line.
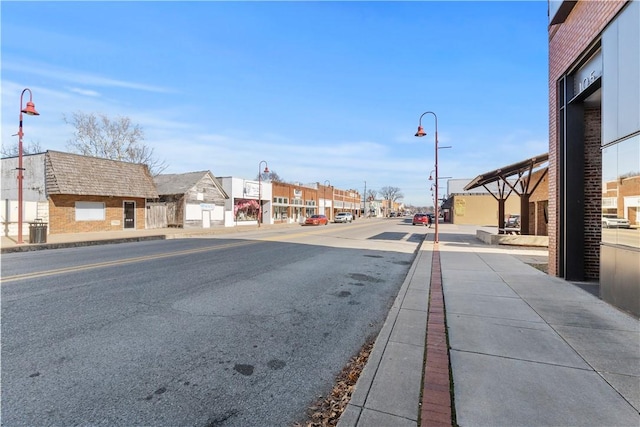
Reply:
x=476, y=206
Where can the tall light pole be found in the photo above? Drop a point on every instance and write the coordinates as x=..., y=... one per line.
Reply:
x=326, y=184
x=422, y=133
x=364, y=200
x=431, y=179
x=266, y=170
x=29, y=110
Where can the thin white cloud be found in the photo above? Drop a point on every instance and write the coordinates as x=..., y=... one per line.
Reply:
x=56, y=73
x=84, y=92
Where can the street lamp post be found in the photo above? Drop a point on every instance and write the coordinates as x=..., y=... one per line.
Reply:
x=29, y=110
x=326, y=184
x=266, y=170
x=422, y=133
x=434, y=200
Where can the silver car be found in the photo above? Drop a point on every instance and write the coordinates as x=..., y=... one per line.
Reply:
x=343, y=217
x=613, y=221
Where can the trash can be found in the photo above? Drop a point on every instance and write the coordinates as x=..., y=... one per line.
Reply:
x=37, y=232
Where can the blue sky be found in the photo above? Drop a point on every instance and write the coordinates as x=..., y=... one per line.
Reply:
x=320, y=90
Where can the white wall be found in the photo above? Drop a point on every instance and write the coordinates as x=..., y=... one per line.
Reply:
x=240, y=188
x=34, y=197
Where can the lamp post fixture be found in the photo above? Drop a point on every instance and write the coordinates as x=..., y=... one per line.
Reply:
x=422, y=133
x=266, y=170
x=326, y=184
x=29, y=110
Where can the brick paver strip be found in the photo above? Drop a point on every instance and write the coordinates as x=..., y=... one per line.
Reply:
x=436, y=392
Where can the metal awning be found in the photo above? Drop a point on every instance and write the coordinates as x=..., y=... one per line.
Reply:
x=521, y=185
x=505, y=172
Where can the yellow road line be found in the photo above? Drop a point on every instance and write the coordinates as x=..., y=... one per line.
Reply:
x=64, y=270
x=121, y=262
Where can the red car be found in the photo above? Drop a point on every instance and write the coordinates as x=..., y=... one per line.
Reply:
x=420, y=218
x=316, y=220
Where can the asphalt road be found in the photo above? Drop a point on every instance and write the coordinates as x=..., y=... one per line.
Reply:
x=238, y=330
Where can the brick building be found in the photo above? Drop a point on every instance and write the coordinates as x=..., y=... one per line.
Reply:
x=293, y=202
x=91, y=194
x=347, y=201
x=74, y=193
x=594, y=140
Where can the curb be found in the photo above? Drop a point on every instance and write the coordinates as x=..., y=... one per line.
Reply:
x=42, y=246
x=388, y=390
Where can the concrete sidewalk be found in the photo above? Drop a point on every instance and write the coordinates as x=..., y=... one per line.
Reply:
x=525, y=349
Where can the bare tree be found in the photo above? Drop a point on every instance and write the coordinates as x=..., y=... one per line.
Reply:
x=12, y=150
x=271, y=176
x=371, y=194
x=118, y=139
x=392, y=194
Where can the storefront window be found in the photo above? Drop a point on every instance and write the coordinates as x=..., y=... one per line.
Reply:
x=245, y=209
x=621, y=193
x=280, y=213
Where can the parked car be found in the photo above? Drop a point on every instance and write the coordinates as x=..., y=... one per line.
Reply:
x=316, y=220
x=343, y=217
x=421, y=219
x=513, y=221
x=613, y=221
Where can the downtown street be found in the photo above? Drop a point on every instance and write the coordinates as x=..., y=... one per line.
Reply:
x=240, y=329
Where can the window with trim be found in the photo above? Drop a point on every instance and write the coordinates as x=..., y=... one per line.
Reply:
x=281, y=200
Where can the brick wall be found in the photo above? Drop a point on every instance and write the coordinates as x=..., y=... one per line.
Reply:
x=567, y=41
x=541, y=209
x=62, y=215
x=592, y=192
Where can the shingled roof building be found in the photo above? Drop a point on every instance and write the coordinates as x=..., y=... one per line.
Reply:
x=75, y=193
x=189, y=200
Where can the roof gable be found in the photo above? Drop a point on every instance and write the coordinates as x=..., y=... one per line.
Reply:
x=68, y=173
x=181, y=183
